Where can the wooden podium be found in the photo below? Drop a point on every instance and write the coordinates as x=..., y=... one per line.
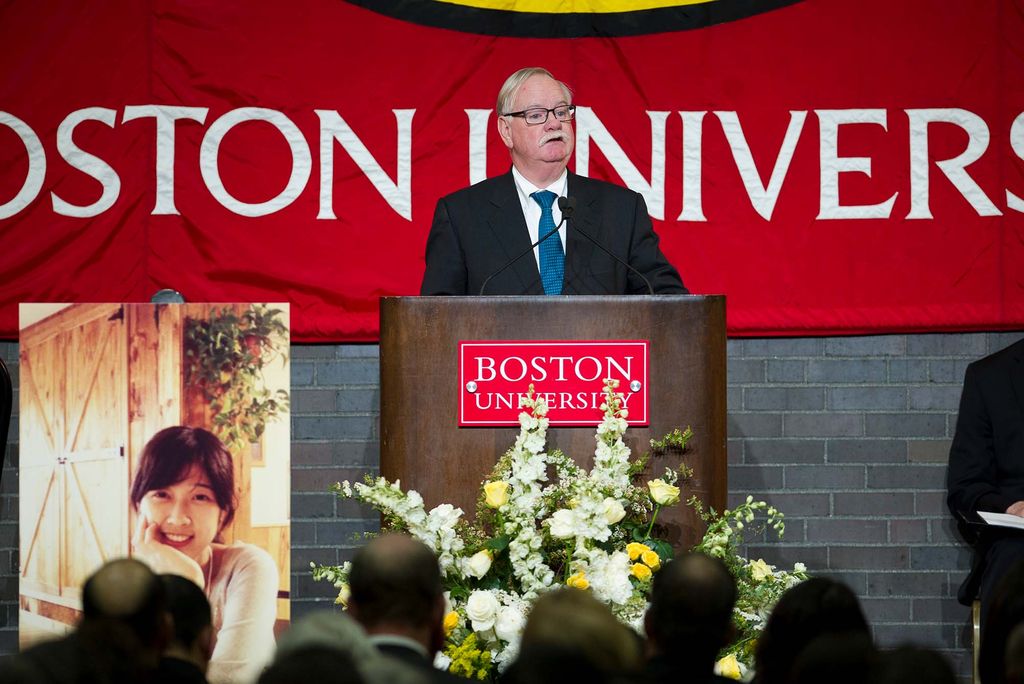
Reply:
x=422, y=444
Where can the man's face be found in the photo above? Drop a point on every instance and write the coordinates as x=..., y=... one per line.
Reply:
x=541, y=146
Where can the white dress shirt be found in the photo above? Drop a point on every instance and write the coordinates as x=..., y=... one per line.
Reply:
x=532, y=211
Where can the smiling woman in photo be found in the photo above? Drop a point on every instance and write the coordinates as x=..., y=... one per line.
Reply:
x=184, y=495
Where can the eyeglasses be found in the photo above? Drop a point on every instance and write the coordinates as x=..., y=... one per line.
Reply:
x=538, y=115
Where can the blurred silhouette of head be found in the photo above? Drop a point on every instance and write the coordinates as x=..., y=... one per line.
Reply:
x=580, y=626
x=192, y=633
x=911, y=664
x=396, y=588
x=690, y=616
x=813, y=608
x=842, y=658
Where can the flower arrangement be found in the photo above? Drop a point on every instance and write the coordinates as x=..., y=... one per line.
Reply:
x=594, y=530
x=758, y=584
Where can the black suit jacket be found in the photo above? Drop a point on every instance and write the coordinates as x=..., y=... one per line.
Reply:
x=986, y=460
x=419, y=663
x=479, y=229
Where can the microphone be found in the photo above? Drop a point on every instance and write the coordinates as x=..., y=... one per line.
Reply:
x=567, y=205
x=561, y=203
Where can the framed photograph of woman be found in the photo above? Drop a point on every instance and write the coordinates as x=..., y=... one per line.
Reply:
x=149, y=430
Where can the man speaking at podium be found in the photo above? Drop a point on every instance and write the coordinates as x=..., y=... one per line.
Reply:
x=586, y=236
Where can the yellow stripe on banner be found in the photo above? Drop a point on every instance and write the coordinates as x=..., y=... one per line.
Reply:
x=573, y=6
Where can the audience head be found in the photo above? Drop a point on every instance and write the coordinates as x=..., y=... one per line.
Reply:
x=396, y=588
x=126, y=592
x=574, y=623
x=690, y=616
x=192, y=633
x=328, y=629
x=843, y=658
x=1005, y=613
x=554, y=664
x=124, y=617
x=320, y=664
x=911, y=664
x=811, y=609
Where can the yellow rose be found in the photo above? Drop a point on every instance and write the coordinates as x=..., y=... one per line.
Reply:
x=343, y=595
x=640, y=571
x=636, y=549
x=496, y=493
x=729, y=667
x=662, y=493
x=579, y=581
x=652, y=559
x=451, y=621
x=759, y=570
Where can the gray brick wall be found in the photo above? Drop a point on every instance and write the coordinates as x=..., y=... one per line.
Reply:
x=848, y=436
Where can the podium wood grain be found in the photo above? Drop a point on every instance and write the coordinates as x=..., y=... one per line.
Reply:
x=422, y=445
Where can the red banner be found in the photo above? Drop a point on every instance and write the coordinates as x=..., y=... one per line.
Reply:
x=830, y=167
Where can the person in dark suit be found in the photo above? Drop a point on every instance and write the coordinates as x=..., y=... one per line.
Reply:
x=986, y=467
x=398, y=598
x=123, y=630
x=689, y=620
x=480, y=229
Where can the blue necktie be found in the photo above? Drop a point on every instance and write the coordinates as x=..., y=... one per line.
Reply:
x=552, y=258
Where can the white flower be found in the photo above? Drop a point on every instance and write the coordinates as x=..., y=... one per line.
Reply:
x=478, y=565
x=482, y=610
x=609, y=576
x=563, y=524
x=799, y=567
x=613, y=510
x=509, y=623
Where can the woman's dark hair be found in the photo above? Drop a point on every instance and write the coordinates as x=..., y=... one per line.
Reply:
x=811, y=609
x=172, y=452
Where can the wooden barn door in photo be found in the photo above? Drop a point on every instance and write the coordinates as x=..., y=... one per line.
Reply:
x=74, y=467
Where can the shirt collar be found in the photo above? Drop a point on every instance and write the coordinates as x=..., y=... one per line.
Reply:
x=526, y=188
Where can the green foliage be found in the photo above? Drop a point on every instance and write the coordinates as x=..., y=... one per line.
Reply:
x=225, y=355
x=759, y=585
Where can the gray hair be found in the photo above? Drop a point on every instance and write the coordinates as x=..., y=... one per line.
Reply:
x=338, y=631
x=512, y=84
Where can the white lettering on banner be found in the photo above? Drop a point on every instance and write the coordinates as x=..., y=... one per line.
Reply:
x=829, y=121
x=487, y=401
x=761, y=196
x=955, y=168
x=302, y=161
x=589, y=127
x=397, y=194
x=36, y=166
x=693, y=209
x=1017, y=143
x=88, y=164
x=166, y=116
x=478, y=121
x=594, y=368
